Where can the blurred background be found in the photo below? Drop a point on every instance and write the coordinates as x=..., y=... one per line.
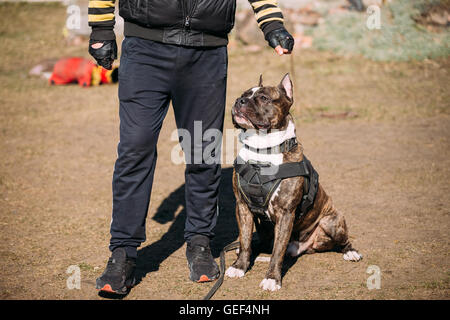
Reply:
x=372, y=109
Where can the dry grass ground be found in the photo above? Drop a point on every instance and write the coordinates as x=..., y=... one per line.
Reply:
x=387, y=169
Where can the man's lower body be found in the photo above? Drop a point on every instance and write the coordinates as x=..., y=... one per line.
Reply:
x=151, y=74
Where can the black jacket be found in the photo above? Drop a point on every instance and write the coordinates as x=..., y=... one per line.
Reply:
x=183, y=22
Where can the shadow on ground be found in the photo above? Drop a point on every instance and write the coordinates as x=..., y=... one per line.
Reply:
x=151, y=256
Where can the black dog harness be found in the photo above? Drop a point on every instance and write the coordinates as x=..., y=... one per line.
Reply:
x=257, y=180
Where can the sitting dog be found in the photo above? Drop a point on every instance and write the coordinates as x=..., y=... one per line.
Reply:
x=277, y=189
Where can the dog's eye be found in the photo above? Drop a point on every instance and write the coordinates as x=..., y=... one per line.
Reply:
x=264, y=98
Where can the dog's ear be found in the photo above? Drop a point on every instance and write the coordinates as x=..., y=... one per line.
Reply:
x=260, y=84
x=286, y=84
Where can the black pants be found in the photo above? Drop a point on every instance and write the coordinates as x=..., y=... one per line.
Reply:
x=152, y=74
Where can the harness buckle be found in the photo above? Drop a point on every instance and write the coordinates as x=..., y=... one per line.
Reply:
x=308, y=197
x=259, y=163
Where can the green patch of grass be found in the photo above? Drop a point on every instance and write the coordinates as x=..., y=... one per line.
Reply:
x=436, y=285
x=85, y=267
x=398, y=39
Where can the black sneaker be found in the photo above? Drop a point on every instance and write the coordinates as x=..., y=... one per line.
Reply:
x=118, y=276
x=201, y=263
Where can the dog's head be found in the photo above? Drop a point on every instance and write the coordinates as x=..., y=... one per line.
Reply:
x=264, y=108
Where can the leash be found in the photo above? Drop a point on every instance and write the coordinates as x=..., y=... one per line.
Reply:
x=294, y=78
x=219, y=281
x=292, y=67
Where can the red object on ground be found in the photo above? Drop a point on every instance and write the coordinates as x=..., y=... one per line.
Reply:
x=79, y=70
x=70, y=70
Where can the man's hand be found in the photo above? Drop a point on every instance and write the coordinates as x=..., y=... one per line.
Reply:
x=104, y=52
x=281, y=41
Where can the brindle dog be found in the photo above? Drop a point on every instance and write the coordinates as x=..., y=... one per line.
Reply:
x=322, y=228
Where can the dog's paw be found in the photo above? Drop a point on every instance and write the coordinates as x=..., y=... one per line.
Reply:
x=262, y=259
x=352, y=255
x=234, y=272
x=269, y=284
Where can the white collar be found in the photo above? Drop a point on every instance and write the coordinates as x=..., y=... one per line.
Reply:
x=259, y=139
x=263, y=140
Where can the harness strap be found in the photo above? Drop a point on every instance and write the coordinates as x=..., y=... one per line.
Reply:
x=311, y=186
x=283, y=171
x=245, y=170
x=288, y=170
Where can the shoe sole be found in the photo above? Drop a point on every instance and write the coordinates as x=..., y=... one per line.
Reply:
x=107, y=288
x=204, y=278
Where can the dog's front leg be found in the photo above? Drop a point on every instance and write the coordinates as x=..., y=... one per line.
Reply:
x=245, y=221
x=283, y=230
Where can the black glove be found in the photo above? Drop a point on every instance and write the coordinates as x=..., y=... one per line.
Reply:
x=104, y=55
x=280, y=37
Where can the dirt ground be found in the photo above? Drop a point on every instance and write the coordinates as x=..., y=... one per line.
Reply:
x=386, y=166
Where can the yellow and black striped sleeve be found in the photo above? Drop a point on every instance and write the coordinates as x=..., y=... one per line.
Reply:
x=102, y=19
x=268, y=14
